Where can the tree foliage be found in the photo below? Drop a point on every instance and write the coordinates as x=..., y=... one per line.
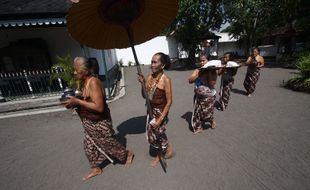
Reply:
x=253, y=19
x=248, y=19
x=301, y=82
x=194, y=19
x=67, y=75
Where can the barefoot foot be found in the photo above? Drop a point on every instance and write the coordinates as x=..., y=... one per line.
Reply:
x=130, y=156
x=198, y=131
x=169, y=152
x=213, y=125
x=93, y=172
x=155, y=161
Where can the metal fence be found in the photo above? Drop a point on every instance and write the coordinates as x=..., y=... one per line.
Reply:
x=30, y=84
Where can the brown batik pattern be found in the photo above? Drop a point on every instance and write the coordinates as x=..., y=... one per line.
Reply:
x=102, y=134
x=251, y=80
x=225, y=93
x=203, y=111
x=161, y=131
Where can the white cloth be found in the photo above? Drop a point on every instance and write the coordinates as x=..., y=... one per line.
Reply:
x=232, y=64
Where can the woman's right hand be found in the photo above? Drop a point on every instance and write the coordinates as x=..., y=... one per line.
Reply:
x=141, y=78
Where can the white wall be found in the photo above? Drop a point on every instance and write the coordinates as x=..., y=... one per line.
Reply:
x=268, y=50
x=59, y=43
x=229, y=47
x=145, y=51
x=110, y=58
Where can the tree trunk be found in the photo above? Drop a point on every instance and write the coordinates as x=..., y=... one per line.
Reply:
x=191, y=60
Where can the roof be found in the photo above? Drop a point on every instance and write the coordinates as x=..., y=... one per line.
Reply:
x=33, y=13
x=32, y=22
x=210, y=35
x=17, y=7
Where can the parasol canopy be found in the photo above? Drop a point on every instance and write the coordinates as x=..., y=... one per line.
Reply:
x=102, y=24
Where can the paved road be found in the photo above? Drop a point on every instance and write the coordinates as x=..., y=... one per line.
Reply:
x=261, y=142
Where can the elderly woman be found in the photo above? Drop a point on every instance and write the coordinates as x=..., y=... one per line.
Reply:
x=159, y=92
x=254, y=62
x=99, y=141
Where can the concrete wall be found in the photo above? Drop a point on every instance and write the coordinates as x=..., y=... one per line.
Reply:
x=268, y=50
x=59, y=43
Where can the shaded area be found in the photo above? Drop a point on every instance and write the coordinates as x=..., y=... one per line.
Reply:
x=135, y=125
x=238, y=91
x=188, y=117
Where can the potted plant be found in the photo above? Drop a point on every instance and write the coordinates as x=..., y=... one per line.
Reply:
x=64, y=70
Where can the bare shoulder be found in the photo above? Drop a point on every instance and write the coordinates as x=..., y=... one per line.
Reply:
x=166, y=78
x=95, y=82
x=148, y=77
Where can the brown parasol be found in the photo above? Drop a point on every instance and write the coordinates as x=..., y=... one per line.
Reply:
x=107, y=24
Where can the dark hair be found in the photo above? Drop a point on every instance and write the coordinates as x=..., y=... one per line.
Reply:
x=164, y=59
x=230, y=55
x=202, y=54
x=257, y=48
x=93, y=65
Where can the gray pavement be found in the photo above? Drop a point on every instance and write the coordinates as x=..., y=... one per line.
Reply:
x=260, y=142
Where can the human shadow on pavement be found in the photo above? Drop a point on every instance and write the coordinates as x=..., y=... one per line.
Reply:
x=238, y=91
x=135, y=125
x=188, y=117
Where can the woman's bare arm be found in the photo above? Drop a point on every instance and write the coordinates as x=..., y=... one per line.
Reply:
x=96, y=95
x=193, y=76
x=248, y=61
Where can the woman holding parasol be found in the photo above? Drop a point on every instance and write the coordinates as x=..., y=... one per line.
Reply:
x=159, y=92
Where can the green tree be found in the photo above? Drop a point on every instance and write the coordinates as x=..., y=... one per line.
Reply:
x=251, y=20
x=194, y=19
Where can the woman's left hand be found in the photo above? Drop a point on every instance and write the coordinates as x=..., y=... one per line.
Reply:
x=71, y=102
x=155, y=124
x=259, y=65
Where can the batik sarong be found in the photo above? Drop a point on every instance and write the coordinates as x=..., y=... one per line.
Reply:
x=150, y=135
x=102, y=134
x=250, y=80
x=203, y=107
x=225, y=92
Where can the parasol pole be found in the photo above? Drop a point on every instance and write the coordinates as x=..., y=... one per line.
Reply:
x=131, y=42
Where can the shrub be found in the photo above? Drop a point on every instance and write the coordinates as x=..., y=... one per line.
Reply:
x=301, y=82
x=68, y=71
